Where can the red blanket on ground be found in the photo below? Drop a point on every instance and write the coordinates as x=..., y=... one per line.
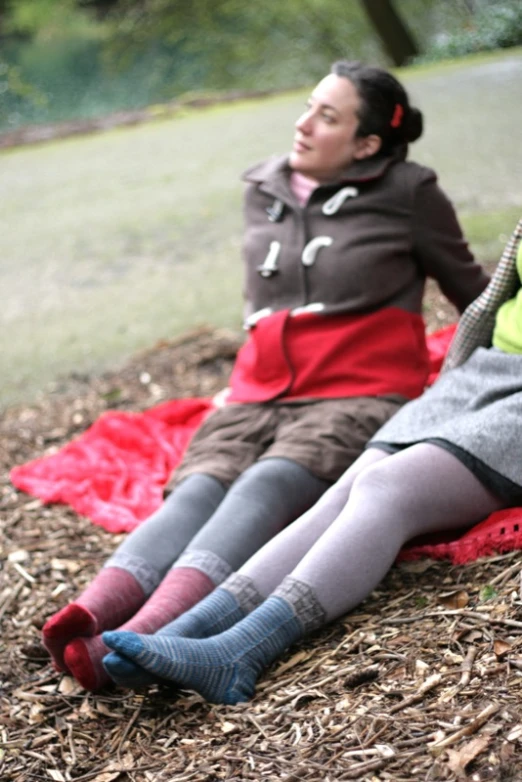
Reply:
x=114, y=473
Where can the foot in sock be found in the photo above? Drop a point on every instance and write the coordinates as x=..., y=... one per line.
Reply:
x=179, y=591
x=215, y=613
x=127, y=673
x=71, y=622
x=109, y=600
x=90, y=662
x=223, y=668
x=83, y=660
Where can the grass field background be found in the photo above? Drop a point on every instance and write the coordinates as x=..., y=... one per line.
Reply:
x=113, y=241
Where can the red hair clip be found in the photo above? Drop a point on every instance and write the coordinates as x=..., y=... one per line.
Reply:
x=398, y=114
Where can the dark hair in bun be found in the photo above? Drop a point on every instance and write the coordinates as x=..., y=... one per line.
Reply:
x=385, y=107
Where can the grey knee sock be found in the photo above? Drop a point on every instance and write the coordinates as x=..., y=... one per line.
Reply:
x=267, y=497
x=152, y=548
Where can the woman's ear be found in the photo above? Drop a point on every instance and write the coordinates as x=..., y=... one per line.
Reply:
x=366, y=146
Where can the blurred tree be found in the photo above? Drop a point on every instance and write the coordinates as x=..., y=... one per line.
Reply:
x=101, y=8
x=236, y=37
x=63, y=58
x=397, y=39
x=45, y=19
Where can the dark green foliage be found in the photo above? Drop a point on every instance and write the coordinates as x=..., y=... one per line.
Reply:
x=493, y=25
x=69, y=80
x=154, y=51
x=69, y=59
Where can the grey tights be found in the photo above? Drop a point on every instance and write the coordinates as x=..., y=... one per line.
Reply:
x=203, y=525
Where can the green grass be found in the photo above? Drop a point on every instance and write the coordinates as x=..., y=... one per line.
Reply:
x=455, y=63
x=113, y=241
x=488, y=232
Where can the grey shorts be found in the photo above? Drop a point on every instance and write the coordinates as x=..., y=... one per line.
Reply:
x=324, y=436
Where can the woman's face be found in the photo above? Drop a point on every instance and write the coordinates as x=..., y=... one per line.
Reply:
x=325, y=141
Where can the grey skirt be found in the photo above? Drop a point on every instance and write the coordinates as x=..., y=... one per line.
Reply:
x=474, y=411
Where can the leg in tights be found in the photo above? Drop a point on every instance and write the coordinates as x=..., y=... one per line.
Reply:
x=259, y=503
x=420, y=490
x=267, y=568
x=137, y=567
x=153, y=547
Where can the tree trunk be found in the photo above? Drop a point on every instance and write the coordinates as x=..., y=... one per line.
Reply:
x=397, y=40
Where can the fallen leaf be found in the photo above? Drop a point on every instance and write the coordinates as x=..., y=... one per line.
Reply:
x=102, y=708
x=127, y=761
x=452, y=658
x=501, y=648
x=35, y=714
x=67, y=685
x=470, y=636
x=87, y=711
x=452, y=600
x=115, y=768
x=107, y=776
x=399, y=640
x=458, y=759
x=508, y=752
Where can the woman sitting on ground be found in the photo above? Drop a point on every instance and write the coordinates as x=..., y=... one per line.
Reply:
x=444, y=462
x=339, y=239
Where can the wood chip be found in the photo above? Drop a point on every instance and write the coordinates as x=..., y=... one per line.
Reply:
x=400, y=689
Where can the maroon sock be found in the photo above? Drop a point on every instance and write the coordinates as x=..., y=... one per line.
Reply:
x=83, y=658
x=181, y=589
x=109, y=600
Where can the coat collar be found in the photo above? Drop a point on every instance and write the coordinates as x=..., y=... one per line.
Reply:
x=272, y=175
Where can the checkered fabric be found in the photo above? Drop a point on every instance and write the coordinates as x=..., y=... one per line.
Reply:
x=477, y=322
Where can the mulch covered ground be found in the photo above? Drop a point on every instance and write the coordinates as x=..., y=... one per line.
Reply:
x=422, y=682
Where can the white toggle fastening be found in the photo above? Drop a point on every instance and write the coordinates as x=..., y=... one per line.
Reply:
x=275, y=211
x=312, y=248
x=269, y=265
x=334, y=203
x=257, y=316
x=314, y=306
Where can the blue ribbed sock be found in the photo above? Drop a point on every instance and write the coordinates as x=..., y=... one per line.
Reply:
x=224, y=668
x=217, y=612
